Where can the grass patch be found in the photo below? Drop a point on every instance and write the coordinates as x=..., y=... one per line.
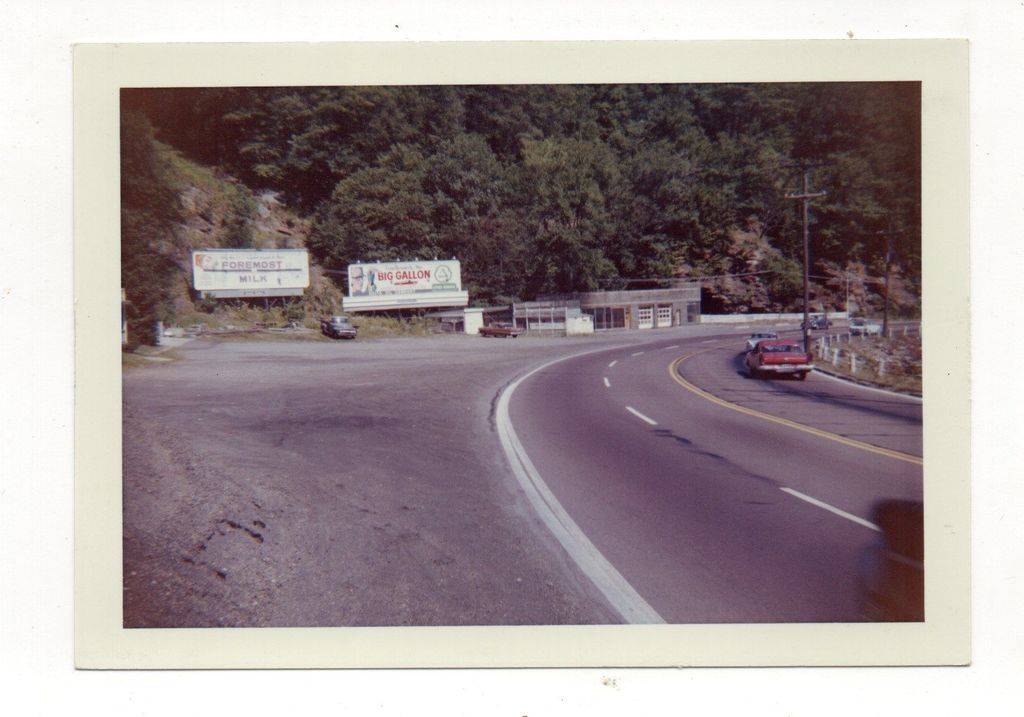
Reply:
x=148, y=357
x=187, y=173
x=245, y=322
x=375, y=327
x=264, y=336
x=893, y=363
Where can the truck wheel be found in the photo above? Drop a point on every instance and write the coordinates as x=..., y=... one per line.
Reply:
x=753, y=373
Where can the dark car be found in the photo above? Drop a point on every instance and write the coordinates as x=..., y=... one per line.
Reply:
x=500, y=330
x=338, y=327
x=817, y=322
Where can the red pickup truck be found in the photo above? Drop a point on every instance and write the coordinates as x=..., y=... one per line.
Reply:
x=779, y=356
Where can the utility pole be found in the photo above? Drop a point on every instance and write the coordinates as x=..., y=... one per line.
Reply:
x=806, y=196
x=888, y=261
x=847, y=294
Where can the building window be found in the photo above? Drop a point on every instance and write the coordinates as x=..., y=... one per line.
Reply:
x=693, y=312
x=607, y=317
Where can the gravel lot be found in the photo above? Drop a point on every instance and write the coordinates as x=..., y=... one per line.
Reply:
x=349, y=483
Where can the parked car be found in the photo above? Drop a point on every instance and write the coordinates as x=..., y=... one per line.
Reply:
x=779, y=357
x=817, y=322
x=865, y=327
x=501, y=330
x=754, y=339
x=338, y=327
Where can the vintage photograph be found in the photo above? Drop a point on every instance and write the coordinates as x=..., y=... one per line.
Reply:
x=535, y=354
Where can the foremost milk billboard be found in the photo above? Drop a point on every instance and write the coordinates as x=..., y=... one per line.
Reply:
x=404, y=285
x=228, y=273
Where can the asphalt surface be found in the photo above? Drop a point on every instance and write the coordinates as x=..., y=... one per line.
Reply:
x=698, y=511
x=336, y=483
x=363, y=483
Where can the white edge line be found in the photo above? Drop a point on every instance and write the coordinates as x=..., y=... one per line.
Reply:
x=641, y=416
x=830, y=508
x=851, y=384
x=606, y=383
x=615, y=588
x=613, y=363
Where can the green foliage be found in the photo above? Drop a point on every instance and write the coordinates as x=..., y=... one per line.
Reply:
x=548, y=189
x=238, y=234
x=372, y=326
x=149, y=210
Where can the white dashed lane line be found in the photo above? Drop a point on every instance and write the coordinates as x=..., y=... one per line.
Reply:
x=613, y=363
x=642, y=417
x=606, y=383
x=669, y=348
x=638, y=353
x=831, y=508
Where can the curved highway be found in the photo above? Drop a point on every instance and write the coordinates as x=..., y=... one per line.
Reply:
x=695, y=494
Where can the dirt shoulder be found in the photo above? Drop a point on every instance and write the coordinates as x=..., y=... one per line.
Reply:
x=348, y=483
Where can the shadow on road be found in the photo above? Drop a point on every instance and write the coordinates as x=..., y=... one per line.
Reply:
x=791, y=387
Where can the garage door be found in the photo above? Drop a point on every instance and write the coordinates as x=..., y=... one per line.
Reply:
x=664, y=316
x=645, y=317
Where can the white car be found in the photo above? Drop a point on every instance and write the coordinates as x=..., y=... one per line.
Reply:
x=755, y=339
x=863, y=327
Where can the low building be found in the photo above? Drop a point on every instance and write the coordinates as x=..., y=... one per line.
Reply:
x=545, y=315
x=633, y=309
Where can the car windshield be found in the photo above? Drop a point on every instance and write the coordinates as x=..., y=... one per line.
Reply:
x=339, y=320
x=857, y=322
x=783, y=349
x=762, y=336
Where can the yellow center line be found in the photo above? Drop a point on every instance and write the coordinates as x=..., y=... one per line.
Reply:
x=673, y=371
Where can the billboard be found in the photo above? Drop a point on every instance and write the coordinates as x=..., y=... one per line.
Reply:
x=225, y=273
x=404, y=284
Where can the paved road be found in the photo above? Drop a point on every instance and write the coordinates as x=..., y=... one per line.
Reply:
x=709, y=513
x=365, y=483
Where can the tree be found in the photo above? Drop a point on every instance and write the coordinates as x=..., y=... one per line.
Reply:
x=377, y=214
x=569, y=187
x=550, y=188
x=149, y=210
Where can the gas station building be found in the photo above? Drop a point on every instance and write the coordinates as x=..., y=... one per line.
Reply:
x=635, y=309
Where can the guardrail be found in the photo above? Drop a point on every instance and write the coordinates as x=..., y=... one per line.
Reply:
x=754, y=318
x=830, y=348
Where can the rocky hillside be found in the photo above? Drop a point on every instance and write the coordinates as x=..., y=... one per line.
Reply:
x=215, y=210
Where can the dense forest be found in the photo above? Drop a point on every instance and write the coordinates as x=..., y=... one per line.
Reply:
x=554, y=188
